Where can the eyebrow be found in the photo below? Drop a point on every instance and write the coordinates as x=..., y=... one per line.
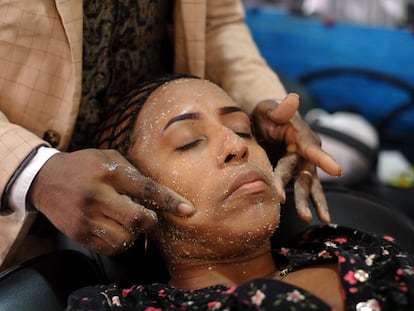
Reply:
x=181, y=117
x=196, y=115
x=229, y=109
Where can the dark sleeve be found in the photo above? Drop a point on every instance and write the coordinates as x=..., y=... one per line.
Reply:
x=155, y=296
x=373, y=268
x=99, y=298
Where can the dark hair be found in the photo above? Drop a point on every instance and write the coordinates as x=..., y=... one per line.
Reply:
x=116, y=128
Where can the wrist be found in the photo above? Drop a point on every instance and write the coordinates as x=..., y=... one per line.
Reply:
x=17, y=198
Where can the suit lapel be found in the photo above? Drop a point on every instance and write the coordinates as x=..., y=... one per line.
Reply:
x=71, y=13
x=193, y=14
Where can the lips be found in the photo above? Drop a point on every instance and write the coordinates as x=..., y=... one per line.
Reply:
x=248, y=183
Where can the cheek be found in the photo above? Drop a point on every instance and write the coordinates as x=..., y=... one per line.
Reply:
x=186, y=178
x=260, y=159
x=184, y=174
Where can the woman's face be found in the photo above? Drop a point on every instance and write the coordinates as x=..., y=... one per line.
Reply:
x=191, y=137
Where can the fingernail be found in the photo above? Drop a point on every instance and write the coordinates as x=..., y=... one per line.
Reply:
x=294, y=94
x=307, y=213
x=185, y=209
x=282, y=197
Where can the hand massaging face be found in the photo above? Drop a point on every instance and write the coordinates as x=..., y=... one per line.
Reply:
x=202, y=147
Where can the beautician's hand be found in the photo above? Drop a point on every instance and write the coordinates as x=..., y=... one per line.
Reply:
x=300, y=153
x=97, y=198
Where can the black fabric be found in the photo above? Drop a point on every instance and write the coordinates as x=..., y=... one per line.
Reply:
x=45, y=282
x=374, y=273
x=124, y=42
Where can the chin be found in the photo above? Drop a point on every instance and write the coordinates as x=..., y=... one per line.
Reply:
x=256, y=225
x=246, y=243
x=259, y=208
x=238, y=227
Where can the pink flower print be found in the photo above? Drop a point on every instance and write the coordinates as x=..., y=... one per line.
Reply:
x=126, y=291
x=330, y=244
x=153, y=309
x=409, y=270
x=214, y=305
x=284, y=251
x=324, y=254
x=230, y=290
x=369, y=260
x=353, y=290
x=295, y=296
x=385, y=252
x=388, y=238
x=341, y=240
x=258, y=298
x=162, y=293
x=350, y=278
x=341, y=259
x=398, y=274
x=403, y=288
x=116, y=301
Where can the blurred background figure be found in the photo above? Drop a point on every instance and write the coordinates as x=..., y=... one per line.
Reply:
x=371, y=12
x=390, y=13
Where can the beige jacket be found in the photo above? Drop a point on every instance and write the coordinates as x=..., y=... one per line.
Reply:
x=41, y=66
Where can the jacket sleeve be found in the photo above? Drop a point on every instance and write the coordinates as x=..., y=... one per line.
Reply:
x=40, y=82
x=16, y=144
x=233, y=59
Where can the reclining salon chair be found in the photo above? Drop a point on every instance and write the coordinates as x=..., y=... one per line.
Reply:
x=353, y=209
x=44, y=283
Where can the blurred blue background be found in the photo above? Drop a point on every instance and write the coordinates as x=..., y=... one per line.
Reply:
x=340, y=64
x=371, y=68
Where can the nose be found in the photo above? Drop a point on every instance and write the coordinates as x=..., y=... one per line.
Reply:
x=233, y=149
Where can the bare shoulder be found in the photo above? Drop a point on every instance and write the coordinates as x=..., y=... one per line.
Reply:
x=322, y=280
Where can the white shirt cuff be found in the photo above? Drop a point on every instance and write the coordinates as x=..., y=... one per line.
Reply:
x=18, y=191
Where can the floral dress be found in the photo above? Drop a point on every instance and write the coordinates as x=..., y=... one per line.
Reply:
x=376, y=275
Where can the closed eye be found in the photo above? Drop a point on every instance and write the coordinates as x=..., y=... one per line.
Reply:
x=244, y=134
x=190, y=145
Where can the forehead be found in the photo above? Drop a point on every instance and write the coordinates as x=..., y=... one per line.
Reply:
x=188, y=87
x=193, y=92
x=183, y=95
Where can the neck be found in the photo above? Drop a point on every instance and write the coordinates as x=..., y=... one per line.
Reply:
x=230, y=272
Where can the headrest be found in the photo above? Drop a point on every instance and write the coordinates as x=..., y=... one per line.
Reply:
x=350, y=139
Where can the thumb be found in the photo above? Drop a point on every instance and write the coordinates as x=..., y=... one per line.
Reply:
x=147, y=192
x=286, y=109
